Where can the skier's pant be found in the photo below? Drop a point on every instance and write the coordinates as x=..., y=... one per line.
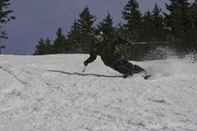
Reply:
x=126, y=68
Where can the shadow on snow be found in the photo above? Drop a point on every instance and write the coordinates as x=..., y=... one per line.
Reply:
x=85, y=74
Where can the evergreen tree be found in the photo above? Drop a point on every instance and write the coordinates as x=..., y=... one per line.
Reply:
x=43, y=47
x=179, y=19
x=153, y=25
x=74, y=37
x=132, y=16
x=147, y=26
x=4, y=16
x=158, y=24
x=106, y=29
x=106, y=26
x=194, y=14
x=193, y=31
x=86, y=22
x=59, y=45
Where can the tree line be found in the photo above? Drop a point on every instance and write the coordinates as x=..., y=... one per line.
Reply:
x=175, y=27
x=5, y=17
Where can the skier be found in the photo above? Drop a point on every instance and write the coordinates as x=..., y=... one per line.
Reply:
x=107, y=49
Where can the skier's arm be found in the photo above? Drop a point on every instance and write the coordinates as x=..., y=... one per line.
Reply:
x=91, y=58
x=121, y=41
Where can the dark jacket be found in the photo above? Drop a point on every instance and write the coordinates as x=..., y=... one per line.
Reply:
x=106, y=49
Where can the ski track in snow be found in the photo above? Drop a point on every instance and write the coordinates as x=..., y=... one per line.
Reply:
x=50, y=93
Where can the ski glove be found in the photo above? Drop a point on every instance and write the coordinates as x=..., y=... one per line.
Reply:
x=85, y=63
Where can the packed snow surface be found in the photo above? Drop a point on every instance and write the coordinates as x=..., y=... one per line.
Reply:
x=51, y=93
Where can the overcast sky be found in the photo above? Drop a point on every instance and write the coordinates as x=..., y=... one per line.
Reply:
x=41, y=18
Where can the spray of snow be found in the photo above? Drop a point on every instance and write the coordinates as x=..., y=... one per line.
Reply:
x=161, y=53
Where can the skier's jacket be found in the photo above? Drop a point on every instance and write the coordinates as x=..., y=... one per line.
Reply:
x=107, y=49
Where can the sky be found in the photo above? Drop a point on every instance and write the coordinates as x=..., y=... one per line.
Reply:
x=37, y=19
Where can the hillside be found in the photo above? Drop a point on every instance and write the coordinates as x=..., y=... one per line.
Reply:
x=50, y=93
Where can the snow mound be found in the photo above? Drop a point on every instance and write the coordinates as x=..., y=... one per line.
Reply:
x=50, y=93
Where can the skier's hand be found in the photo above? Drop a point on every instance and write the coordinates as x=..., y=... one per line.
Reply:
x=85, y=64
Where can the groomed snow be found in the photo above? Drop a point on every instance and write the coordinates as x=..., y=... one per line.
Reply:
x=50, y=93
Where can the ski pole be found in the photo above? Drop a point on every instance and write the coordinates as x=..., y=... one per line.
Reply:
x=84, y=68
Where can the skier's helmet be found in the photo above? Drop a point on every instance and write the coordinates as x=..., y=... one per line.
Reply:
x=101, y=33
x=99, y=37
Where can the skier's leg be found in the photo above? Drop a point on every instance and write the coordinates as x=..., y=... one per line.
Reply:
x=123, y=70
x=128, y=69
x=120, y=66
x=133, y=68
x=138, y=69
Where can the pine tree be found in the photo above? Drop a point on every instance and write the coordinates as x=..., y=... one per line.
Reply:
x=194, y=13
x=59, y=45
x=132, y=16
x=153, y=25
x=86, y=22
x=108, y=35
x=106, y=26
x=147, y=26
x=158, y=24
x=4, y=16
x=74, y=36
x=178, y=20
x=43, y=47
x=193, y=31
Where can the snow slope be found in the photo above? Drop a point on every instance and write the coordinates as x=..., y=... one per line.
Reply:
x=49, y=93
